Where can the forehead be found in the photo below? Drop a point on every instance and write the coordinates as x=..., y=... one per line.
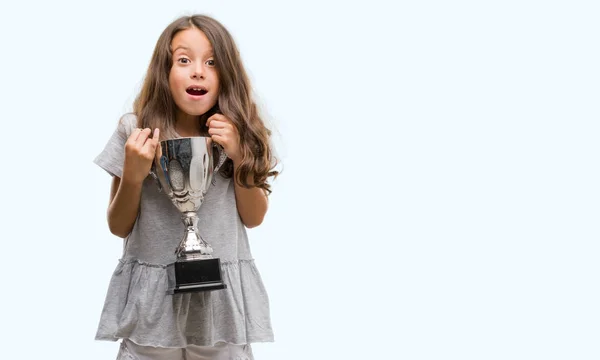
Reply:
x=192, y=40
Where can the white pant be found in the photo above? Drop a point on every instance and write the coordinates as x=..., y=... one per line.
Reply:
x=221, y=351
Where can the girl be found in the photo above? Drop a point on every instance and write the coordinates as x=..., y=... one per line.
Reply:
x=195, y=69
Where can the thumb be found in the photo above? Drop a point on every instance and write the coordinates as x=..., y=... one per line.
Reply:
x=156, y=143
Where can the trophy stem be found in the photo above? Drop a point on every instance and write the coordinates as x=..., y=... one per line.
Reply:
x=192, y=245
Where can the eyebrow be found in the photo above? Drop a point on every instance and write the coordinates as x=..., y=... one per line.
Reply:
x=181, y=47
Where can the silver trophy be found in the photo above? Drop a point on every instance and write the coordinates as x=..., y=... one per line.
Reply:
x=184, y=169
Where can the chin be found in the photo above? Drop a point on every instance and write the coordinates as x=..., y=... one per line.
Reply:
x=195, y=111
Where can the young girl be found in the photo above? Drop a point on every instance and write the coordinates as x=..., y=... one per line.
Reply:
x=195, y=69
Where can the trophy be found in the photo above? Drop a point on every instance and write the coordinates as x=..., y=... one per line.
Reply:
x=184, y=169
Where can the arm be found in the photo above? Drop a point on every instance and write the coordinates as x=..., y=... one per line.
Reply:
x=252, y=204
x=123, y=207
x=126, y=192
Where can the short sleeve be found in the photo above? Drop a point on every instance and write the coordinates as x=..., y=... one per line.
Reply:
x=112, y=156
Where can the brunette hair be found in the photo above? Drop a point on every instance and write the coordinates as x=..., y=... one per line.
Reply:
x=155, y=107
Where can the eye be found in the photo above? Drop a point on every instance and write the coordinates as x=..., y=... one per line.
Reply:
x=210, y=62
x=183, y=60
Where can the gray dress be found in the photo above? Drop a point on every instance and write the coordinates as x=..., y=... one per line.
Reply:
x=137, y=306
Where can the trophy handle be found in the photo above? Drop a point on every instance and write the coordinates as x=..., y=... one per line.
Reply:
x=220, y=162
x=156, y=166
x=216, y=147
x=153, y=175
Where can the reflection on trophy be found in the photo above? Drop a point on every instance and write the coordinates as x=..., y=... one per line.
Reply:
x=184, y=169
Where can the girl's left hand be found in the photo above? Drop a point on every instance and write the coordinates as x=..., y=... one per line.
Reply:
x=223, y=132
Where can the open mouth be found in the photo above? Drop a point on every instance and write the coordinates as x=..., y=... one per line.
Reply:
x=196, y=90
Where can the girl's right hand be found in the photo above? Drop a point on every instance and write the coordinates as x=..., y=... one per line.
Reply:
x=140, y=150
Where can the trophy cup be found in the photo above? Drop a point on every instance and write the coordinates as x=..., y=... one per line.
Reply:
x=184, y=169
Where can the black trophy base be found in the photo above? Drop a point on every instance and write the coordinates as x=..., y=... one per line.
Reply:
x=195, y=275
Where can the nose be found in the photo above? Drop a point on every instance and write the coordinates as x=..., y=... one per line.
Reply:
x=198, y=72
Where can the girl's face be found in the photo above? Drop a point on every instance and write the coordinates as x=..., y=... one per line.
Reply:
x=193, y=80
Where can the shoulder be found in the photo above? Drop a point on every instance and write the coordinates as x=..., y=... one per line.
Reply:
x=127, y=123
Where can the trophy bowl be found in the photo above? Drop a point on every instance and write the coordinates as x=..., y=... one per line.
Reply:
x=183, y=170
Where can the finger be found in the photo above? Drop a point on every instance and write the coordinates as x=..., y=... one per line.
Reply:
x=216, y=118
x=217, y=124
x=134, y=135
x=217, y=131
x=155, y=140
x=142, y=137
x=158, y=149
x=152, y=143
x=209, y=121
x=219, y=139
x=158, y=153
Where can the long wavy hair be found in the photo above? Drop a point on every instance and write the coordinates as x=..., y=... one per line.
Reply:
x=155, y=108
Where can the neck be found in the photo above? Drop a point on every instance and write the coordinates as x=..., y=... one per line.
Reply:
x=187, y=125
